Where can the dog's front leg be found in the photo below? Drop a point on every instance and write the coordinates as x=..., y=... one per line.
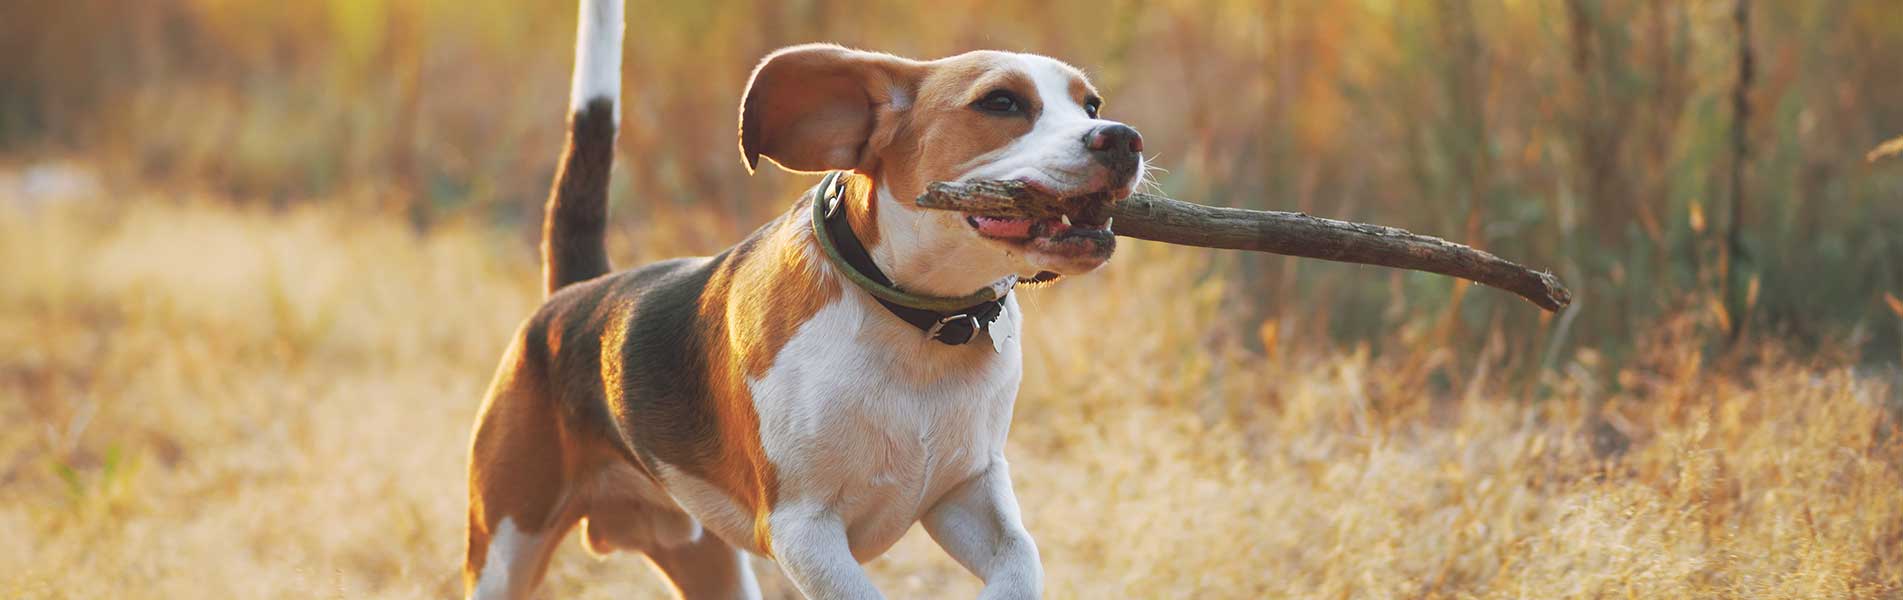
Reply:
x=977, y=524
x=811, y=547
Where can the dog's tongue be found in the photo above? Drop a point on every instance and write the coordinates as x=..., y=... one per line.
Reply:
x=1004, y=228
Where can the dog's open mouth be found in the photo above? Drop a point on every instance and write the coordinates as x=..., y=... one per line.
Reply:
x=1085, y=218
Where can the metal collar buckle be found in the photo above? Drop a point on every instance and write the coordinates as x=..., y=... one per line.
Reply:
x=932, y=334
x=832, y=196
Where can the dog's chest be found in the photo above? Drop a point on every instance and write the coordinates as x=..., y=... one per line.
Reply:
x=858, y=418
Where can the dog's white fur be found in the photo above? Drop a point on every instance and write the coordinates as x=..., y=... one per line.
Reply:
x=512, y=554
x=865, y=455
x=597, y=55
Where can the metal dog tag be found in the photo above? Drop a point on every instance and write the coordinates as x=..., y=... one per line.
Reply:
x=1002, y=329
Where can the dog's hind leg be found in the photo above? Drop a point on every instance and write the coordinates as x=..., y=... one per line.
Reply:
x=518, y=483
x=706, y=568
x=511, y=562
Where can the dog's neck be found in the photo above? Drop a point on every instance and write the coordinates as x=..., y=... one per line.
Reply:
x=919, y=257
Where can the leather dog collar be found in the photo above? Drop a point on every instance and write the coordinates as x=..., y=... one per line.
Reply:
x=952, y=321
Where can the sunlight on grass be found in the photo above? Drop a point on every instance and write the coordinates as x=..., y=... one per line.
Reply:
x=202, y=401
x=258, y=261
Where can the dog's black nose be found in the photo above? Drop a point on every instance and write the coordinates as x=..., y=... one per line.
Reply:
x=1116, y=146
x=1115, y=139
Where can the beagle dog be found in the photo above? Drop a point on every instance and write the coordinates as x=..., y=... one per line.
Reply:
x=847, y=370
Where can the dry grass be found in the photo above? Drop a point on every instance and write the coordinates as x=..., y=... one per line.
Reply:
x=201, y=401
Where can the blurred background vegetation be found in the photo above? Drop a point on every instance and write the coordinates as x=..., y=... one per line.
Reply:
x=257, y=260
x=1591, y=137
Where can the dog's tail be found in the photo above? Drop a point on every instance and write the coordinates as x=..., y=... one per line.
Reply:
x=573, y=248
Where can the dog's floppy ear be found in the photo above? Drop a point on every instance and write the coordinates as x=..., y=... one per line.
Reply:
x=817, y=107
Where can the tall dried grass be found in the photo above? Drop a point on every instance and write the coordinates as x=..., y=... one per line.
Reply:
x=198, y=400
x=265, y=391
x=1589, y=137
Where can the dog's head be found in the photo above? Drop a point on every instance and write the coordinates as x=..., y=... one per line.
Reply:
x=980, y=115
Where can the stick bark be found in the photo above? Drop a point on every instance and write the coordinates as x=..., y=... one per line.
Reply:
x=1161, y=219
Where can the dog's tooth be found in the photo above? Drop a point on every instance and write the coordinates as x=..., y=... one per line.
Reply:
x=1066, y=220
x=1107, y=220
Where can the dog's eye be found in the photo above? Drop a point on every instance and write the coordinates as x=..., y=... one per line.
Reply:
x=1000, y=102
x=1091, y=106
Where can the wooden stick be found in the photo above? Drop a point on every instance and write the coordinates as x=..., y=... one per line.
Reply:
x=1156, y=218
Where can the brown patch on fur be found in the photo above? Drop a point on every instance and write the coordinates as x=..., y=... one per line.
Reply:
x=760, y=296
x=941, y=133
x=642, y=366
x=814, y=107
x=784, y=276
x=862, y=209
x=517, y=460
x=1080, y=88
x=528, y=460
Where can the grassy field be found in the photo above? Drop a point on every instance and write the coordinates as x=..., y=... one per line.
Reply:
x=258, y=261
x=199, y=399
